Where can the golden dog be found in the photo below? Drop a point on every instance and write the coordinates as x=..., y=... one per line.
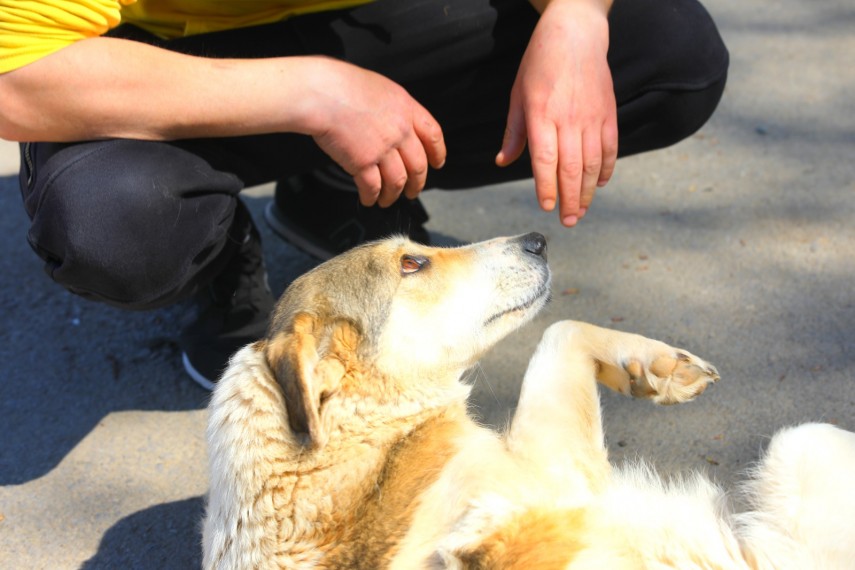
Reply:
x=342, y=440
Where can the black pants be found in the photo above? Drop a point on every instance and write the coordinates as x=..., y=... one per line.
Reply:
x=142, y=224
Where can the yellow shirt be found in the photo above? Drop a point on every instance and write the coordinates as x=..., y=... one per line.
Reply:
x=32, y=29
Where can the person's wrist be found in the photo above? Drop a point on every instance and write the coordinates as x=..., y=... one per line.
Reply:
x=587, y=18
x=306, y=83
x=601, y=6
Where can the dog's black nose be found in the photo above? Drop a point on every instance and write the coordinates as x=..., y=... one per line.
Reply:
x=535, y=244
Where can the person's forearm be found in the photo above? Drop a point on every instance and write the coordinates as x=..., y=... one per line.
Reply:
x=540, y=5
x=104, y=87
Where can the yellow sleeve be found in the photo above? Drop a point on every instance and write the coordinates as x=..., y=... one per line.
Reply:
x=32, y=29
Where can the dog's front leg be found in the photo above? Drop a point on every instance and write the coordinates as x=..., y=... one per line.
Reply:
x=557, y=424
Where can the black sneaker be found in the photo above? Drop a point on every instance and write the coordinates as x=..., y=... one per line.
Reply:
x=320, y=214
x=234, y=310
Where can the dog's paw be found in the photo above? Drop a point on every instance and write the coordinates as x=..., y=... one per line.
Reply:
x=671, y=377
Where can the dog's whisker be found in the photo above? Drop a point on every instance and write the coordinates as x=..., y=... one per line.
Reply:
x=479, y=374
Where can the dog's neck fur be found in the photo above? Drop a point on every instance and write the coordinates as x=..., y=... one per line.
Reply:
x=301, y=491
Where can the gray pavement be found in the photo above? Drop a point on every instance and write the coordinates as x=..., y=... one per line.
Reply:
x=737, y=244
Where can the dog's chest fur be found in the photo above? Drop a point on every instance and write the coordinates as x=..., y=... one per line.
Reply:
x=368, y=535
x=354, y=513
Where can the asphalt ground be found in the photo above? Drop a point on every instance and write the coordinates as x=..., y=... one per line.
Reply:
x=737, y=244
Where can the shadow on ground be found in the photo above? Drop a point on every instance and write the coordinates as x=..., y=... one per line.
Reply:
x=147, y=539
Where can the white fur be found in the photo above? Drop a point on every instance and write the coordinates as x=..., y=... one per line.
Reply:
x=803, y=497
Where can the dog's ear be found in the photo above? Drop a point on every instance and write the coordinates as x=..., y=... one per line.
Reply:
x=309, y=364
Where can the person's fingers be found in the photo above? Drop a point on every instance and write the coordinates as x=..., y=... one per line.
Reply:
x=513, y=142
x=543, y=147
x=393, y=177
x=368, y=184
x=586, y=197
x=610, y=150
x=429, y=133
x=592, y=163
x=570, y=175
x=416, y=162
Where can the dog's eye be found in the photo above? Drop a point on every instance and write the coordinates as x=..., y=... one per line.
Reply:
x=412, y=263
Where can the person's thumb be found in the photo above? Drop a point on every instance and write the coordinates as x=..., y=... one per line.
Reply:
x=514, y=139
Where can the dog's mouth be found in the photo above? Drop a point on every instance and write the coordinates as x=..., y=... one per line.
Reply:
x=541, y=296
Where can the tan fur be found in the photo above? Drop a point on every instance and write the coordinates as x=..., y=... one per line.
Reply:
x=342, y=439
x=370, y=538
x=547, y=539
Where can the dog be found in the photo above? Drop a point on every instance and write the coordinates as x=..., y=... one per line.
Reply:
x=342, y=439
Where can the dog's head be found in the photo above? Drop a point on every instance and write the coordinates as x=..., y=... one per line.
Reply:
x=395, y=320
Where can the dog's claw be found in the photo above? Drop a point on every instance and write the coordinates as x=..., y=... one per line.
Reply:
x=671, y=378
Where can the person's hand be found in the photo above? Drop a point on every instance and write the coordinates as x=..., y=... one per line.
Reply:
x=374, y=130
x=563, y=103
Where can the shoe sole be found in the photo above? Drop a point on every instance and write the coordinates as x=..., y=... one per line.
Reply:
x=296, y=238
x=195, y=374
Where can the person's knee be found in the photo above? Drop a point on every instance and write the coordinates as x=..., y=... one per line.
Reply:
x=123, y=236
x=664, y=45
x=693, y=51
x=669, y=66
